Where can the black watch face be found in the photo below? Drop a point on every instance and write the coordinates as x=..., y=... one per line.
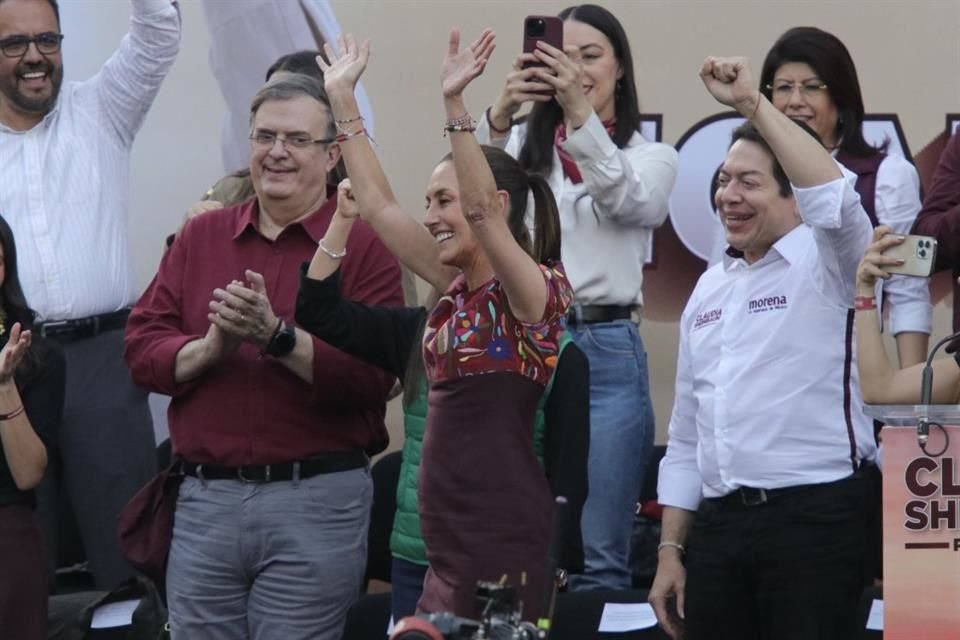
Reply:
x=283, y=343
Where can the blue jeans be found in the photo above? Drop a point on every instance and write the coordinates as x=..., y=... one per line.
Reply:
x=268, y=560
x=406, y=586
x=621, y=442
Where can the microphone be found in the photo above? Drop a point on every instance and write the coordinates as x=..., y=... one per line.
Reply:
x=926, y=387
x=553, y=583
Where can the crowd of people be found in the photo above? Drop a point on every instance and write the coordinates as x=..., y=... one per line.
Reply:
x=277, y=324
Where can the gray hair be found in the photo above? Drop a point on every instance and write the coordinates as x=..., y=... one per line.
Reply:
x=293, y=85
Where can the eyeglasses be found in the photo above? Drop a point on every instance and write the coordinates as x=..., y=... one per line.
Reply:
x=784, y=90
x=16, y=46
x=266, y=140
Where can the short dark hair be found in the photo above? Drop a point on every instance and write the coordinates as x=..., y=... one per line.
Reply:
x=747, y=131
x=831, y=61
x=537, y=152
x=303, y=62
x=292, y=86
x=53, y=5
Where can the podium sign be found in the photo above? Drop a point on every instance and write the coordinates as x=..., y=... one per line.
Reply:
x=921, y=535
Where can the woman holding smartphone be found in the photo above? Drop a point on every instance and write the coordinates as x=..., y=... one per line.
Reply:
x=612, y=187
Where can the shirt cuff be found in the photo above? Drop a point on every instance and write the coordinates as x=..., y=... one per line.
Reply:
x=681, y=488
x=589, y=142
x=916, y=316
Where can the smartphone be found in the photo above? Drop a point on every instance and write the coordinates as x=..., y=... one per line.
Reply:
x=919, y=253
x=546, y=28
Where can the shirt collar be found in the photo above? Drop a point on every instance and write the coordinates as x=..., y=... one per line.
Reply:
x=790, y=247
x=315, y=225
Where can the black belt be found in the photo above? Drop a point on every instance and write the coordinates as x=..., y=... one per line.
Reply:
x=594, y=313
x=83, y=327
x=752, y=497
x=282, y=471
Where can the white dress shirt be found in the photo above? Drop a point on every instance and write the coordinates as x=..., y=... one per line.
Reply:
x=767, y=393
x=246, y=37
x=64, y=184
x=897, y=203
x=605, y=221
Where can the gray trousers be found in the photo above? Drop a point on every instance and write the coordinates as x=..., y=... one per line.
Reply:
x=268, y=560
x=105, y=451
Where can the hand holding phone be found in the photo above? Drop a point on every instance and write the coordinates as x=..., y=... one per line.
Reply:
x=917, y=255
x=548, y=29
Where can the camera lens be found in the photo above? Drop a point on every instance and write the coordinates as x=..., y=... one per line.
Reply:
x=923, y=253
x=536, y=28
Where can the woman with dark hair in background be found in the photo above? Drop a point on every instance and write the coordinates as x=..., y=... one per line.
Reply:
x=32, y=376
x=490, y=344
x=612, y=188
x=810, y=76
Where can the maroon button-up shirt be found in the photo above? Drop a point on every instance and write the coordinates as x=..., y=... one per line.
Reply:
x=251, y=410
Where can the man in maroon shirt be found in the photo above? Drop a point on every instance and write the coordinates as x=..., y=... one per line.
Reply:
x=940, y=216
x=273, y=425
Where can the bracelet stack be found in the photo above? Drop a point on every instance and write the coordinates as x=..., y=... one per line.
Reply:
x=346, y=133
x=462, y=124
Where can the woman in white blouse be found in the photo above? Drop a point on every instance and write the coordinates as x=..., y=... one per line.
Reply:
x=612, y=188
x=809, y=75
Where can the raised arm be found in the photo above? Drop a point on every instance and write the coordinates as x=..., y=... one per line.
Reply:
x=401, y=233
x=483, y=206
x=805, y=161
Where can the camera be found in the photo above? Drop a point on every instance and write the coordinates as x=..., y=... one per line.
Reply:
x=500, y=620
x=536, y=27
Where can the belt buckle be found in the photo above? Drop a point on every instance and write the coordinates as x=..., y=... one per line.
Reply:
x=246, y=480
x=50, y=328
x=752, y=497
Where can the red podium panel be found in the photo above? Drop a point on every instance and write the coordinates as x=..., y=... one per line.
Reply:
x=921, y=536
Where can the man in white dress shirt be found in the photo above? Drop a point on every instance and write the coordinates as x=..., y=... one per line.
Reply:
x=764, y=495
x=65, y=154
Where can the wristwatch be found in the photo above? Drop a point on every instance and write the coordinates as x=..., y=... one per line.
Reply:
x=283, y=341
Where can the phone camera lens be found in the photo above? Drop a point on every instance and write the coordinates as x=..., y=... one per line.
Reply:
x=922, y=253
x=536, y=28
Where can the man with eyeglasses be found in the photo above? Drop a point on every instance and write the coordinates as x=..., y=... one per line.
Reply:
x=274, y=427
x=64, y=149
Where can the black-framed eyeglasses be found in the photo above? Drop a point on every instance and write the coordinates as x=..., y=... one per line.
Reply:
x=266, y=140
x=16, y=46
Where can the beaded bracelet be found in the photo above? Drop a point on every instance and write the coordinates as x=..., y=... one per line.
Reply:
x=13, y=414
x=451, y=128
x=462, y=120
x=331, y=254
x=343, y=136
x=348, y=120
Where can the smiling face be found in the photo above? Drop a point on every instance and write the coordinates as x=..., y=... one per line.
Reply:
x=284, y=176
x=807, y=101
x=601, y=69
x=445, y=222
x=753, y=213
x=29, y=85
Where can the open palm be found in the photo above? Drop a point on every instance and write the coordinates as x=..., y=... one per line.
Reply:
x=461, y=67
x=343, y=69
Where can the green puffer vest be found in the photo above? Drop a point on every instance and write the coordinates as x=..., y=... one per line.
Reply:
x=406, y=540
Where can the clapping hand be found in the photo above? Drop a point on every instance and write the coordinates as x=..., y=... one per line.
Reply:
x=343, y=70
x=730, y=81
x=461, y=67
x=244, y=312
x=13, y=352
